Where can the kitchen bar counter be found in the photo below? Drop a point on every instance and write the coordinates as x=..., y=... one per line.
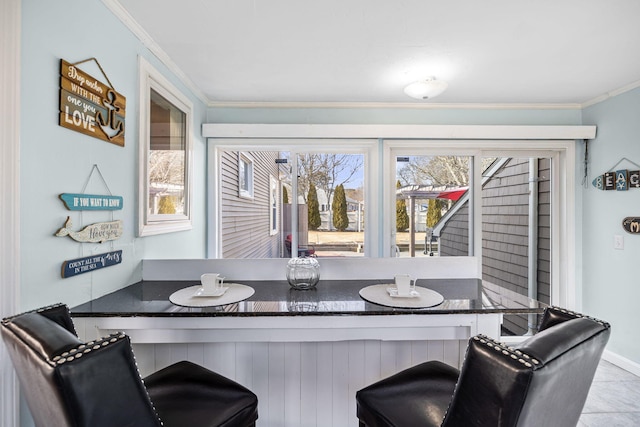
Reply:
x=329, y=298
x=334, y=311
x=304, y=353
x=300, y=351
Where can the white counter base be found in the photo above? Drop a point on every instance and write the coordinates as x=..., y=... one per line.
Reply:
x=305, y=370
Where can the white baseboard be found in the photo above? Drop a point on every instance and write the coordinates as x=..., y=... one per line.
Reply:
x=622, y=362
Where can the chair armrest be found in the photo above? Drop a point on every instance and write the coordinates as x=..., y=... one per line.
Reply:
x=102, y=386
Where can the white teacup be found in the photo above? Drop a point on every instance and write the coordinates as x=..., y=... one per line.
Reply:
x=211, y=282
x=403, y=284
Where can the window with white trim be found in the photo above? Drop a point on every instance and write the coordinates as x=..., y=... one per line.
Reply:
x=274, y=204
x=165, y=191
x=245, y=175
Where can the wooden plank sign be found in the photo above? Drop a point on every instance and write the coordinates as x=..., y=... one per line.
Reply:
x=91, y=263
x=91, y=202
x=620, y=180
x=94, y=233
x=90, y=106
x=631, y=224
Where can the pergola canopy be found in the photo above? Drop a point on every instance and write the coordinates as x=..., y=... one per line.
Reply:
x=430, y=192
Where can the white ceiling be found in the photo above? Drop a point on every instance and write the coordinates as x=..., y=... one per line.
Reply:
x=366, y=51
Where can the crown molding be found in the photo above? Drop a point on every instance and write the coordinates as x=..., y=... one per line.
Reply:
x=396, y=105
x=121, y=13
x=611, y=94
x=351, y=131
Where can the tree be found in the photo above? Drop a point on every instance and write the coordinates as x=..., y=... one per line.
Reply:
x=285, y=195
x=434, y=212
x=166, y=205
x=402, y=218
x=439, y=170
x=326, y=171
x=339, y=208
x=314, y=208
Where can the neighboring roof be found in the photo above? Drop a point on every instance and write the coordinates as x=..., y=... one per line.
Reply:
x=486, y=176
x=431, y=192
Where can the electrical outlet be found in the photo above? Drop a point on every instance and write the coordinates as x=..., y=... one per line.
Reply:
x=618, y=242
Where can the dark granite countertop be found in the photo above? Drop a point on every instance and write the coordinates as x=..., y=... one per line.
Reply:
x=331, y=297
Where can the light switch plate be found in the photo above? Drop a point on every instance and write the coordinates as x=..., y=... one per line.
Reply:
x=618, y=242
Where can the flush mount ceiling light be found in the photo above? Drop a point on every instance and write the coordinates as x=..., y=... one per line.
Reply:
x=426, y=89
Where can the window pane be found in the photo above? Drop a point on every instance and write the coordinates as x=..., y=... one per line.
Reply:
x=516, y=233
x=331, y=204
x=432, y=215
x=245, y=174
x=263, y=226
x=249, y=180
x=167, y=154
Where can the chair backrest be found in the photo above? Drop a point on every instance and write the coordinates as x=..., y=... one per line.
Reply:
x=70, y=383
x=543, y=382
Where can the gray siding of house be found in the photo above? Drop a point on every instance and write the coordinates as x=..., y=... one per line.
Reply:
x=454, y=237
x=505, y=214
x=245, y=222
x=544, y=230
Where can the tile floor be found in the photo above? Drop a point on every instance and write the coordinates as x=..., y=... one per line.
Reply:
x=614, y=399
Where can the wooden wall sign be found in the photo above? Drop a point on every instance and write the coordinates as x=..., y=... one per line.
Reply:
x=94, y=233
x=91, y=202
x=631, y=224
x=94, y=262
x=90, y=106
x=620, y=180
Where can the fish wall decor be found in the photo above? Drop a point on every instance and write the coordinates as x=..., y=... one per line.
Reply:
x=94, y=233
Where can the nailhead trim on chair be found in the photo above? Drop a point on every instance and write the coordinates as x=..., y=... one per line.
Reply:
x=505, y=350
x=508, y=351
x=78, y=352
x=37, y=310
x=82, y=349
x=573, y=313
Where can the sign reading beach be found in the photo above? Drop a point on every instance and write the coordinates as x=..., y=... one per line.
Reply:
x=90, y=106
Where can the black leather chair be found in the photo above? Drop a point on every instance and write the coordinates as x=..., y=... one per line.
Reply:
x=67, y=382
x=542, y=383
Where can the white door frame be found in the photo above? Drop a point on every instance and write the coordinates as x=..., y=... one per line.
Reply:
x=10, y=22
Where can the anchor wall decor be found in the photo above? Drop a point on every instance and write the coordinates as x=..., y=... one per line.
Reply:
x=89, y=106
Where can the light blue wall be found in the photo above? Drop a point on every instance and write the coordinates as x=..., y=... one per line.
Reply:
x=56, y=160
x=611, y=283
x=395, y=116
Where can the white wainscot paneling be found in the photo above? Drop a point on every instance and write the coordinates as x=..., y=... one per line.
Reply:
x=305, y=370
x=310, y=378
x=302, y=384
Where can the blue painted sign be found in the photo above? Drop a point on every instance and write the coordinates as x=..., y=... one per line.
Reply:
x=91, y=202
x=91, y=263
x=622, y=177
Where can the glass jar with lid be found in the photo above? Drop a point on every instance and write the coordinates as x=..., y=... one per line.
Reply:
x=303, y=273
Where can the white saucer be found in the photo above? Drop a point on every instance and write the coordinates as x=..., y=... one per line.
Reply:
x=393, y=293
x=381, y=295
x=217, y=293
x=190, y=297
